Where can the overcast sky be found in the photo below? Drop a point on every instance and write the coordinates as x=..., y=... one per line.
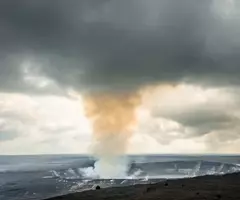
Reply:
x=189, y=49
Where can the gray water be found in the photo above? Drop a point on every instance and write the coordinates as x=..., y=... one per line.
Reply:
x=41, y=176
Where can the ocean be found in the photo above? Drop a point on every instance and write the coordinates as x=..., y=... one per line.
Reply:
x=42, y=176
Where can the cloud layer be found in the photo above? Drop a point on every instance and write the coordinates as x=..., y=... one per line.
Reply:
x=122, y=44
x=208, y=116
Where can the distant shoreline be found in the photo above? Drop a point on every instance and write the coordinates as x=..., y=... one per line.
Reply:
x=205, y=187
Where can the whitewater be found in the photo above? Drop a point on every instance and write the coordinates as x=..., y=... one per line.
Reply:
x=42, y=176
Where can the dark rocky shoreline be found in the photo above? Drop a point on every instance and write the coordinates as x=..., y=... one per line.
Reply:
x=223, y=187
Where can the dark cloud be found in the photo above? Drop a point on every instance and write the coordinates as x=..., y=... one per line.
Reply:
x=194, y=123
x=109, y=44
x=214, y=120
x=205, y=119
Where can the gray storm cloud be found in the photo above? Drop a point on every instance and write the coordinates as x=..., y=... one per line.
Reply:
x=121, y=45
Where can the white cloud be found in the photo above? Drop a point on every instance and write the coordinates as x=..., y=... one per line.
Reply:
x=189, y=118
x=44, y=124
x=181, y=119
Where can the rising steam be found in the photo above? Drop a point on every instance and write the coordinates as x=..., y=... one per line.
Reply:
x=113, y=119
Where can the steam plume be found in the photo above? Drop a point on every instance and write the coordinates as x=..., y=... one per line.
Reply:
x=113, y=119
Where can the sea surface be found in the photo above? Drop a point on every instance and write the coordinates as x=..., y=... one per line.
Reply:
x=42, y=176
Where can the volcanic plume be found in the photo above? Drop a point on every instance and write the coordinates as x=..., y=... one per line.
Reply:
x=113, y=119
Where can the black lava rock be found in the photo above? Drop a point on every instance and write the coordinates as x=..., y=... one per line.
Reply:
x=98, y=187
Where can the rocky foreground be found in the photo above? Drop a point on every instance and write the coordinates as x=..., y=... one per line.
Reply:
x=224, y=187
